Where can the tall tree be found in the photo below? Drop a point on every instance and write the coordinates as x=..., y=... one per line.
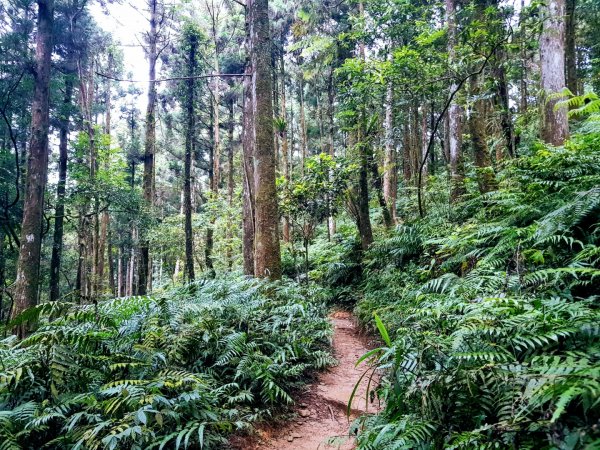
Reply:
x=26, y=290
x=390, y=174
x=248, y=147
x=455, y=113
x=65, y=113
x=571, y=49
x=555, y=126
x=267, y=258
x=150, y=142
x=191, y=45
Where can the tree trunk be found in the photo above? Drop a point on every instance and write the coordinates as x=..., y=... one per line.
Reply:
x=303, y=131
x=150, y=145
x=267, y=258
x=284, y=143
x=331, y=134
x=120, y=273
x=2, y=274
x=28, y=265
x=406, y=152
x=364, y=220
x=57, y=244
x=571, y=51
x=502, y=100
x=424, y=143
x=390, y=174
x=477, y=121
x=189, y=151
x=455, y=113
x=555, y=126
x=105, y=218
x=523, y=92
x=248, y=144
x=230, y=180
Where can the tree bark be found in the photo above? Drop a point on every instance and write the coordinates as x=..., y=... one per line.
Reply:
x=248, y=144
x=149, y=146
x=555, y=126
x=477, y=120
x=303, y=130
x=284, y=143
x=105, y=217
x=331, y=133
x=455, y=113
x=364, y=220
x=57, y=244
x=390, y=174
x=571, y=50
x=28, y=266
x=189, y=151
x=502, y=100
x=267, y=258
x=406, y=152
x=230, y=179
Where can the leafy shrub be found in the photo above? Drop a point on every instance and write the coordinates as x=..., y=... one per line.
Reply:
x=179, y=371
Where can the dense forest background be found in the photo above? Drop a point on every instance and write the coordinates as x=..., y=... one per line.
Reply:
x=171, y=238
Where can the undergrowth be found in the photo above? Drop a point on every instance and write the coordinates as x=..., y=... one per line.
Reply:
x=182, y=370
x=490, y=316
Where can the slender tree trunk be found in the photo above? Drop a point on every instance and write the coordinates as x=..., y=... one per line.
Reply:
x=331, y=134
x=303, y=131
x=248, y=144
x=111, y=263
x=555, y=126
x=523, y=92
x=209, y=242
x=284, y=143
x=230, y=180
x=416, y=144
x=28, y=266
x=88, y=236
x=57, y=244
x=105, y=217
x=2, y=273
x=390, y=178
x=424, y=142
x=477, y=121
x=267, y=258
x=189, y=151
x=455, y=113
x=504, y=105
x=120, y=274
x=364, y=220
x=150, y=145
x=406, y=152
x=571, y=50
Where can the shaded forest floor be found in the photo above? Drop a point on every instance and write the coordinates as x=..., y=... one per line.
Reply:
x=321, y=421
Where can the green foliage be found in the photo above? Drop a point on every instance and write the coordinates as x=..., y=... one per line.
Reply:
x=177, y=371
x=490, y=327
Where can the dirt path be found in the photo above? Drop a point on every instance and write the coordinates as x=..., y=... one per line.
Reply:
x=321, y=422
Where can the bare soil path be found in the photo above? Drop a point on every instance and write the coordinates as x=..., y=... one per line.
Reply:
x=321, y=422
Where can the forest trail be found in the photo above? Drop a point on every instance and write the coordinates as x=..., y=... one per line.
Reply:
x=321, y=422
